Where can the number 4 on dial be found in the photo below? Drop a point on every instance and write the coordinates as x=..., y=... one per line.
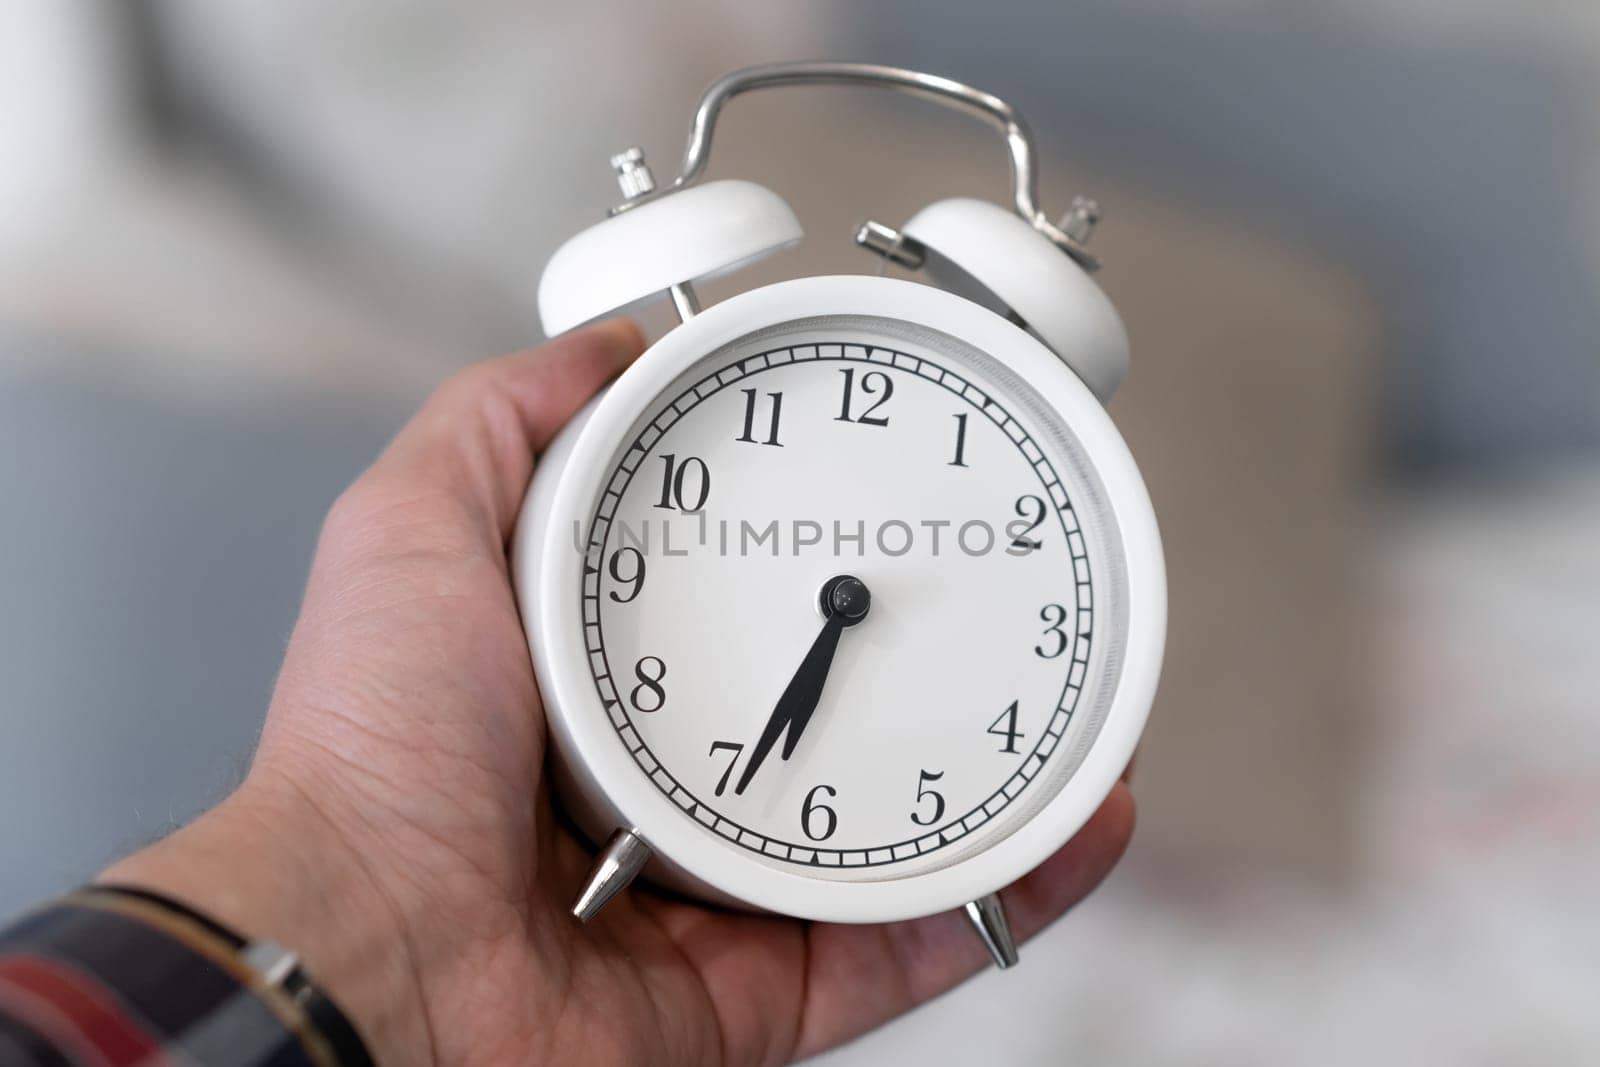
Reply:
x=1009, y=731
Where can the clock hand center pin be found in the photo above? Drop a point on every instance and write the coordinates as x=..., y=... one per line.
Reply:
x=845, y=601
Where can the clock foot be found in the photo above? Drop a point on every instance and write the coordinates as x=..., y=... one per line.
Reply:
x=622, y=858
x=988, y=917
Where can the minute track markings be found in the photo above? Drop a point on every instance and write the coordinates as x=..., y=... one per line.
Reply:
x=952, y=829
x=1010, y=789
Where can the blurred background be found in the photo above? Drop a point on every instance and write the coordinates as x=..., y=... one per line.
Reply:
x=1357, y=245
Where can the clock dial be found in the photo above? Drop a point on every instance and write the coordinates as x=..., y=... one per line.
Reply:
x=842, y=598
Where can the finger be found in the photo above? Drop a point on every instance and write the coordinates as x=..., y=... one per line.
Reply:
x=473, y=443
x=862, y=976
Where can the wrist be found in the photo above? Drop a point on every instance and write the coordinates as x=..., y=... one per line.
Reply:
x=269, y=865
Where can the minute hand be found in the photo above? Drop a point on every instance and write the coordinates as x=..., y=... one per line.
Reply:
x=793, y=709
x=845, y=601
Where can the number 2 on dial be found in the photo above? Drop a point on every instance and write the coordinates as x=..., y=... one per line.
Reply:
x=1030, y=509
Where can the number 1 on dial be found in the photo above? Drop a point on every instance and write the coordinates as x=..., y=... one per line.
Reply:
x=961, y=441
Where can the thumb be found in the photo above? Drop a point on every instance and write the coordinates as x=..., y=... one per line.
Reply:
x=476, y=438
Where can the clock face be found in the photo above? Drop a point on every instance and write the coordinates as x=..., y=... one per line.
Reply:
x=849, y=598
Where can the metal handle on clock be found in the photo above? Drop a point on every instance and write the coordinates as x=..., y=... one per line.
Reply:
x=950, y=93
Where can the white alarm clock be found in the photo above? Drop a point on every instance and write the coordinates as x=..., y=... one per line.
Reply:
x=846, y=600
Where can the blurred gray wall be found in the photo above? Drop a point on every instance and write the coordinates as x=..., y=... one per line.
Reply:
x=151, y=554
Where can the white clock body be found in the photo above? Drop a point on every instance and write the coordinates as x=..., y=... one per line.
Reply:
x=670, y=556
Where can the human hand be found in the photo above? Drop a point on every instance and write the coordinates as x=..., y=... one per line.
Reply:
x=396, y=831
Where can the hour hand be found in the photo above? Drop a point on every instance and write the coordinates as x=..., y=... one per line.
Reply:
x=845, y=601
